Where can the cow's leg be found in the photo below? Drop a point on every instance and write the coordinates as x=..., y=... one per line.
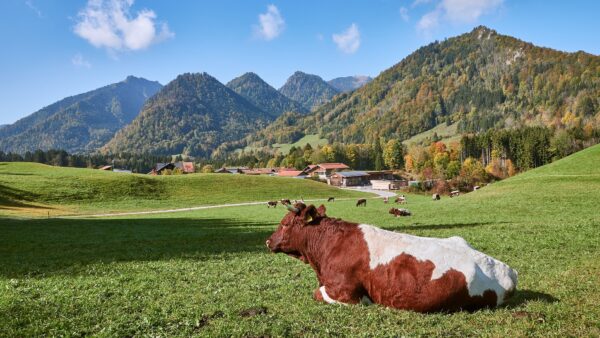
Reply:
x=337, y=295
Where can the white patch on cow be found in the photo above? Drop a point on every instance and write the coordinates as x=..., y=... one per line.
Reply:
x=481, y=271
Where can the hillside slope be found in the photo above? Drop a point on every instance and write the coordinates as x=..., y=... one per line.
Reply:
x=263, y=96
x=480, y=80
x=193, y=114
x=80, y=123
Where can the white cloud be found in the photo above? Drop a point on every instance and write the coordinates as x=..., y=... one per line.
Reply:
x=420, y=2
x=270, y=24
x=429, y=21
x=78, y=61
x=109, y=24
x=349, y=40
x=456, y=12
x=468, y=11
x=34, y=8
x=404, y=14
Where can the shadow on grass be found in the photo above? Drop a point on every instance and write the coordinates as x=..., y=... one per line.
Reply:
x=449, y=226
x=15, y=198
x=522, y=297
x=62, y=246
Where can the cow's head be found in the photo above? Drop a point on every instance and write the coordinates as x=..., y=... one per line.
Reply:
x=289, y=236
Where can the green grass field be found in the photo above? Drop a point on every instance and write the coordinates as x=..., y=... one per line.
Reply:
x=38, y=189
x=446, y=133
x=208, y=273
x=313, y=140
x=284, y=148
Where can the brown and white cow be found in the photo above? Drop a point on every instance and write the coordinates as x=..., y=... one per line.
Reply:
x=359, y=262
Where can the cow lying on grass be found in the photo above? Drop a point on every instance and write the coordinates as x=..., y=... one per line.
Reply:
x=359, y=262
x=399, y=212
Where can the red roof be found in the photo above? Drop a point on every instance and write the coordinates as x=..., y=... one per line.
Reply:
x=290, y=173
x=333, y=166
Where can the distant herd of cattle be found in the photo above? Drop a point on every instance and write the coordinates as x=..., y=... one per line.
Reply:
x=363, y=202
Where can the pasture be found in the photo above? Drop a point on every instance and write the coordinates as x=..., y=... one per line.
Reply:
x=208, y=273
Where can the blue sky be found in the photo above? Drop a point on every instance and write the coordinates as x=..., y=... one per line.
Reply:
x=54, y=48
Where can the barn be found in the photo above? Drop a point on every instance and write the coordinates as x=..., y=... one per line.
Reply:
x=388, y=184
x=349, y=179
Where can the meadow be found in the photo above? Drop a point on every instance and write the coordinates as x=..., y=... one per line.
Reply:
x=208, y=273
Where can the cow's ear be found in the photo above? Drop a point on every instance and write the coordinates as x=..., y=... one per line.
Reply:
x=311, y=214
x=321, y=210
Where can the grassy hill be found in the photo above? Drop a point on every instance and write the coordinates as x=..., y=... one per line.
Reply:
x=207, y=273
x=36, y=188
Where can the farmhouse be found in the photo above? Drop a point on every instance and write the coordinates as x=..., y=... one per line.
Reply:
x=349, y=179
x=292, y=173
x=325, y=170
x=260, y=171
x=231, y=170
x=388, y=184
x=186, y=167
x=160, y=167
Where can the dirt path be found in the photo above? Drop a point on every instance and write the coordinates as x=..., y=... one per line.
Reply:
x=381, y=194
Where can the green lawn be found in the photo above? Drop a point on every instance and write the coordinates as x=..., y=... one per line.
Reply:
x=284, y=148
x=207, y=273
x=446, y=133
x=312, y=139
x=39, y=189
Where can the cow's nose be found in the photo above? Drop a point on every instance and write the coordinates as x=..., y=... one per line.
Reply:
x=268, y=242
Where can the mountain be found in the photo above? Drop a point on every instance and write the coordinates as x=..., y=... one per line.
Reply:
x=193, y=114
x=80, y=123
x=349, y=83
x=310, y=90
x=478, y=81
x=263, y=96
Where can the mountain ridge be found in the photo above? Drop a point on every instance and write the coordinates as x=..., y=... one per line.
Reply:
x=308, y=89
x=192, y=115
x=82, y=122
x=479, y=79
x=263, y=95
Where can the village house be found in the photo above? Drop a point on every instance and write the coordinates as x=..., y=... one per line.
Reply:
x=388, y=184
x=231, y=170
x=260, y=171
x=186, y=167
x=325, y=170
x=285, y=172
x=349, y=179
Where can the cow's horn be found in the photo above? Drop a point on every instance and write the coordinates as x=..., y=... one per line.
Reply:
x=291, y=208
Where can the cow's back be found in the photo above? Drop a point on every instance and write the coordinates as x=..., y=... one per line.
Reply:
x=429, y=274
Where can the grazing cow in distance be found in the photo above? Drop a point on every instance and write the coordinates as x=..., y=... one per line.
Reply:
x=362, y=202
x=399, y=212
x=385, y=200
x=401, y=199
x=272, y=204
x=362, y=263
x=454, y=193
x=286, y=202
x=435, y=197
x=331, y=199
